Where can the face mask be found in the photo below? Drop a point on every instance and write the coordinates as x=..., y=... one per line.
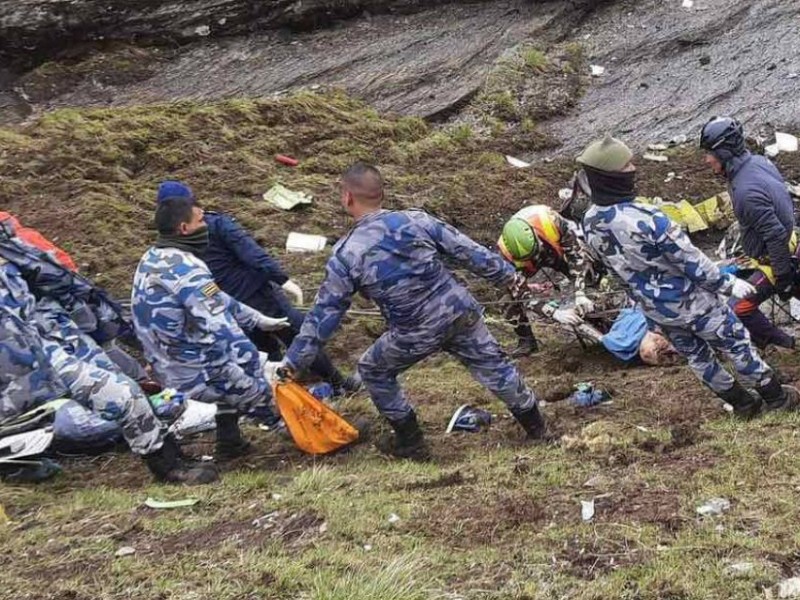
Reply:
x=611, y=187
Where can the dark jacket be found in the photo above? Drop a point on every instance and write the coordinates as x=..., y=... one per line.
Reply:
x=239, y=265
x=763, y=208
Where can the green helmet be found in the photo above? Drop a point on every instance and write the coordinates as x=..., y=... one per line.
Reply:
x=520, y=240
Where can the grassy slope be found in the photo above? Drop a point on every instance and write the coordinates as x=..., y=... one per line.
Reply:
x=491, y=517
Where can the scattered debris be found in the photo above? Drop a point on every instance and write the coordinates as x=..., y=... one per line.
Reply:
x=515, y=162
x=367, y=547
x=597, y=70
x=714, y=507
x=163, y=504
x=468, y=418
x=789, y=588
x=284, y=198
x=304, y=242
x=267, y=521
x=586, y=395
x=655, y=157
x=393, y=518
x=786, y=142
x=670, y=176
x=658, y=147
x=705, y=60
x=323, y=527
x=287, y=160
x=203, y=30
x=125, y=551
x=742, y=568
x=688, y=3
x=679, y=140
x=276, y=497
x=587, y=510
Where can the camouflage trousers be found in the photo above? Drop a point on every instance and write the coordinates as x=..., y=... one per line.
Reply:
x=467, y=339
x=719, y=332
x=232, y=389
x=99, y=385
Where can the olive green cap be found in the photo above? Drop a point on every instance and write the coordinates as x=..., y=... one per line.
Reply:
x=608, y=154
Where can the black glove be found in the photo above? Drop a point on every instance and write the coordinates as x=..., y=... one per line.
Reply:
x=784, y=286
x=284, y=374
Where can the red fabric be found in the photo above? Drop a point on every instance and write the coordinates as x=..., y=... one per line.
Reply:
x=37, y=240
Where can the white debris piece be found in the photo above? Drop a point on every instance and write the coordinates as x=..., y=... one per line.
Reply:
x=771, y=151
x=657, y=147
x=564, y=194
x=303, y=242
x=125, y=551
x=786, y=142
x=393, y=518
x=515, y=162
x=789, y=588
x=688, y=3
x=203, y=30
x=587, y=510
x=742, y=568
x=670, y=177
x=597, y=70
x=655, y=157
x=715, y=506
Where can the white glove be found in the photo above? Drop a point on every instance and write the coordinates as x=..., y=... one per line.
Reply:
x=265, y=323
x=294, y=290
x=567, y=316
x=742, y=289
x=583, y=306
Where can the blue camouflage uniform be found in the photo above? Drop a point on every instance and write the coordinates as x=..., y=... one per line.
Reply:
x=44, y=355
x=395, y=259
x=677, y=287
x=192, y=334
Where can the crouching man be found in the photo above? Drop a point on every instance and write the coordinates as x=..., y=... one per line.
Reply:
x=676, y=285
x=191, y=331
x=395, y=259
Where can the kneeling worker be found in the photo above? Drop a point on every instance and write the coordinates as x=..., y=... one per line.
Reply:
x=191, y=331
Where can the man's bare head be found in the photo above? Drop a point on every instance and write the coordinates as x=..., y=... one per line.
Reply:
x=362, y=189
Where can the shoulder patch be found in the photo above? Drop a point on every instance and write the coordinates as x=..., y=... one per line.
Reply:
x=210, y=289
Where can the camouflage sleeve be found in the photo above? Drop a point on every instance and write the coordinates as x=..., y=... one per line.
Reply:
x=245, y=315
x=574, y=253
x=333, y=300
x=675, y=246
x=210, y=310
x=481, y=261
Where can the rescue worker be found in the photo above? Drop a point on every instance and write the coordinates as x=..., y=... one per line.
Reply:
x=675, y=284
x=536, y=237
x=395, y=258
x=765, y=212
x=191, y=331
x=243, y=270
x=45, y=355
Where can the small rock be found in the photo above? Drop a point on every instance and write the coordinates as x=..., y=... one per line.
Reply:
x=705, y=60
x=222, y=21
x=203, y=30
x=789, y=588
x=125, y=551
x=714, y=507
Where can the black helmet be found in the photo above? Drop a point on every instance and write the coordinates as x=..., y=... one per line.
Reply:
x=723, y=137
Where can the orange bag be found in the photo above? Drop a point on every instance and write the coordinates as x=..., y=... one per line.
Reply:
x=315, y=428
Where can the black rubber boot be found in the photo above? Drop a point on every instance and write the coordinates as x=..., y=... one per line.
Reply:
x=779, y=397
x=525, y=347
x=745, y=405
x=408, y=441
x=230, y=443
x=346, y=386
x=532, y=422
x=166, y=465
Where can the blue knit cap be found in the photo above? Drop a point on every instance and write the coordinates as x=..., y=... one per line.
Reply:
x=173, y=189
